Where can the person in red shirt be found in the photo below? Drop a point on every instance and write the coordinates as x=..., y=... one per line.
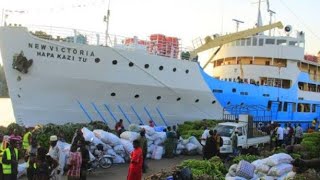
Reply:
x=136, y=160
x=74, y=163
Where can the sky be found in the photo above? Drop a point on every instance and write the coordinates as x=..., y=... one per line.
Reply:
x=185, y=19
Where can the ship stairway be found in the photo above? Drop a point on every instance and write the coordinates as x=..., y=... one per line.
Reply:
x=130, y=114
x=259, y=113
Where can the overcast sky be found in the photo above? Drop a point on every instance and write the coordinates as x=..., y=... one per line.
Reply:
x=186, y=19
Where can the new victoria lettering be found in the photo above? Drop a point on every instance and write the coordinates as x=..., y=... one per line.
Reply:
x=59, y=52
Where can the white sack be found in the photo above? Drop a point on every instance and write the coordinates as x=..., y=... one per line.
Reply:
x=191, y=146
x=118, y=160
x=261, y=166
x=278, y=159
x=194, y=141
x=22, y=169
x=131, y=136
x=149, y=130
x=157, y=152
x=128, y=146
x=280, y=169
x=107, y=137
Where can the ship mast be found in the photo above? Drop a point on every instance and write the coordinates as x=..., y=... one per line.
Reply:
x=271, y=14
x=106, y=19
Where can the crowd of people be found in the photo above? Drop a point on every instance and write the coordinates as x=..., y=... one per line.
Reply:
x=211, y=142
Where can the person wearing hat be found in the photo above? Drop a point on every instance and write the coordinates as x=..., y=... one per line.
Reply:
x=10, y=161
x=54, y=153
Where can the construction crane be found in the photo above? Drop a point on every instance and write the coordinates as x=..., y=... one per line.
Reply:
x=221, y=40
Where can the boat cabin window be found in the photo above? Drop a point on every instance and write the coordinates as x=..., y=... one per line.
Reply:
x=314, y=107
x=285, y=106
x=249, y=42
x=293, y=43
x=243, y=42
x=254, y=41
x=302, y=107
x=281, y=42
x=261, y=42
x=270, y=41
x=238, y=43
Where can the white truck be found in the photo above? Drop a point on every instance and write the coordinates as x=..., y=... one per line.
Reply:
x=247, y=137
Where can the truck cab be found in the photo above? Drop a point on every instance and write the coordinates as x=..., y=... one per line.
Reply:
x=247, y=137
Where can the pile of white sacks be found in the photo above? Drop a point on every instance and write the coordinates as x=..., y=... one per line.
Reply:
x=121, y=147
x=275, y=167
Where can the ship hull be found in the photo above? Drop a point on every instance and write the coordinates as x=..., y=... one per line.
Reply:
x=81, y=83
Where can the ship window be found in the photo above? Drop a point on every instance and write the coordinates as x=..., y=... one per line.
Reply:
x=269, y=105
x=281, y=42
x=19, y=78
x=131, y=64
x=314, y=107
x=146, y=66
x=251, y=62
x=249, y=42
x=197, y=100
x=136, y=96
x=238, y=43
x=160, y=68
x=280, y=106
x=187, y=71
x=243, y=42
x=303, y=107
x=228, y=102
x=266, y=95
x=213, y=102
x=158, y=97
x=19, y=96
x=261, y=42
x=234, y=90
x=174, y=69
x=270, y=41
x=114, y=62
x=294, y=107
x=254, y=41
x=293, y=43
x=97, y=60
x=268, y=63
x=285, y=106
x=113, y=94
x=217, y=91
x=178, y=99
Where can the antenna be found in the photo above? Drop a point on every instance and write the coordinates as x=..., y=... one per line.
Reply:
x=237, y=23
x=106, y=19
x=270, y=22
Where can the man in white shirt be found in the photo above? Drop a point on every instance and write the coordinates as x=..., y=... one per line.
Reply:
x=55, y=154
x=280, y=134
x=204, y=136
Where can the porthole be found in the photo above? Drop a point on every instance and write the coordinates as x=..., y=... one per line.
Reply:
x=213, y=102
x=113, y=94
x=234, y=90
x=241, y=104
x=158, y=97
x=19, y=96
x=228, y=102
x=136, y=96
x=174, y=69
x=197, y=100
x=18, y=78
x=131, y=64
x=187, y=71
x=97, y=60
x=178, y=99
x=160, y=68
x=114, y=62
x=146, y=66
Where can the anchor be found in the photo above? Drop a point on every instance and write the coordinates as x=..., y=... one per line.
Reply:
x=21, y=63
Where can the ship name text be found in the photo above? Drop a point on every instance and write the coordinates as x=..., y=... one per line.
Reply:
x=59, y=52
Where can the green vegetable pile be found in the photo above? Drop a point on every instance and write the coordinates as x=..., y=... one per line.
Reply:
x=213, y=168
x=311, y=143
x=195, y=128
x=247, y=157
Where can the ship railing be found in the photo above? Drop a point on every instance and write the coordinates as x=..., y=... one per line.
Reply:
x=79, y=36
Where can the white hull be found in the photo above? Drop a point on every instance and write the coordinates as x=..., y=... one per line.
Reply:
x=60, y=91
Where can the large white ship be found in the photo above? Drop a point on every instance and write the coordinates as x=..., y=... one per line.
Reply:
x=59, y=78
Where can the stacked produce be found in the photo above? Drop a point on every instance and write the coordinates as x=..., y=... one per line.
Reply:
x=277, y=166
x=202, y=169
